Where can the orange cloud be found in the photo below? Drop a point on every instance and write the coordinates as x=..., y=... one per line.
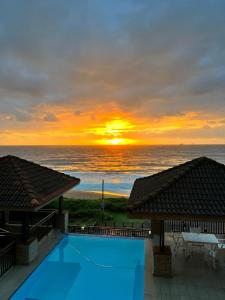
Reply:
x=63, y=125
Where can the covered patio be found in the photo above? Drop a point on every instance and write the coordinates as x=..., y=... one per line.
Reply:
x=25, y=190
x=189, y=194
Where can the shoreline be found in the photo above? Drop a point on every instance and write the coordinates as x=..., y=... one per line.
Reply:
x=90, y=195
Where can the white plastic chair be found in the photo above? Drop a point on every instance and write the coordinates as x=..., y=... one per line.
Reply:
x=221, y=243
x=178, y=242
x=218, y=256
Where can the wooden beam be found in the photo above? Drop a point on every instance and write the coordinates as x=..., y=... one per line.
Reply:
x=145, y=216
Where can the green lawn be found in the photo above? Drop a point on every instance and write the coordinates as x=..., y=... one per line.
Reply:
x=89, y=212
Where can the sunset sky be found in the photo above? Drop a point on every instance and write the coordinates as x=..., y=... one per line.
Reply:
x=112, y=72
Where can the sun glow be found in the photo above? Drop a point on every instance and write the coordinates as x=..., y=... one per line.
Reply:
x=114, y=132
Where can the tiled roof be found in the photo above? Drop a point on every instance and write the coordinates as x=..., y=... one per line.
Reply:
x=195, y=188
x=26, y=185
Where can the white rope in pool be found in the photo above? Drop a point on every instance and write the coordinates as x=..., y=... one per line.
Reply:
x=88, y=259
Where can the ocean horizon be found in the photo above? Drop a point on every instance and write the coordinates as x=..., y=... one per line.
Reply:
x=119, y=166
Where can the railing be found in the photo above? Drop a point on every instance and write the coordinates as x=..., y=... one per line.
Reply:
x=111, y=231
x=15, y=217
x=7, y=258
x=41, y=223
x=209, y=227
x=144, y=229
x=136, y=225
x=41, y=228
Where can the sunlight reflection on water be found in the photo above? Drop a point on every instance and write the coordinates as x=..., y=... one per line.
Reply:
x=119, y=166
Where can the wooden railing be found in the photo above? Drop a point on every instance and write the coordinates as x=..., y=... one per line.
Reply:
x=111, y=231
x=7, y=257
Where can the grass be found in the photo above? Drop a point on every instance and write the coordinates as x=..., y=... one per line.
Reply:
x=89, y=212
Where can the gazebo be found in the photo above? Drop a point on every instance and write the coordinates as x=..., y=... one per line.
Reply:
x=25, y=189
x=193, y=191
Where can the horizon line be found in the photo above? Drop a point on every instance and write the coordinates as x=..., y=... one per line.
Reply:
x=115, y=146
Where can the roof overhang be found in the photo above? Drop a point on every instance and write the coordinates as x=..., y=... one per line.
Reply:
x=153, y=216
x=47, y=200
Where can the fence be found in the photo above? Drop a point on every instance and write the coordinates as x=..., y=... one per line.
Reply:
x=136, y=225
x=7, y=258
x=112, y=231
x=182, y=226
x=143, y=230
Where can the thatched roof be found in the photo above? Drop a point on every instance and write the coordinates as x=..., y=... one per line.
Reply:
x=195, y=189
x=25, y=185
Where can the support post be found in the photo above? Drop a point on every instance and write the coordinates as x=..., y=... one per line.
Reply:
x=61, y=204
x=162, y=255
x=25, y=226
x=162, y=235
x=103, y=202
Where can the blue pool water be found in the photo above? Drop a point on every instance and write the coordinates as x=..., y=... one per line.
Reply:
x=88, y=268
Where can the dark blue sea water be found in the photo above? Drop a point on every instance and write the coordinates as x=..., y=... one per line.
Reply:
x=119, y=166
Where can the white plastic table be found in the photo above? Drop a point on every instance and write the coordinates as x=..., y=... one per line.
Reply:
x=198, y=238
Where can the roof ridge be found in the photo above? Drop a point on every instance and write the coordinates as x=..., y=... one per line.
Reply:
x=174, y=167
x=191, y=164
x=15, y=158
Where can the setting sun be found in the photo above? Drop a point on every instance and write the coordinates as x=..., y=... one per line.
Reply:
x=116, y=141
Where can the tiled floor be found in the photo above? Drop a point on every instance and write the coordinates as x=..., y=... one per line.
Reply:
x=193, y=279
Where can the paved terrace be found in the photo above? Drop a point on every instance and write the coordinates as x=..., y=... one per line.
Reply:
x=193, y=278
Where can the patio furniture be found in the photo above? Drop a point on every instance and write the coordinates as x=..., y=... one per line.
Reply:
x=178, y=242
x=221, y=243
x=218, y=256
x=200, y=240
x=195, y=229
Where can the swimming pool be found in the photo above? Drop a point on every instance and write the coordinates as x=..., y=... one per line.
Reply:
x=88, y=268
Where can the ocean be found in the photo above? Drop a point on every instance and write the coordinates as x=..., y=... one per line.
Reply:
x=119, y=166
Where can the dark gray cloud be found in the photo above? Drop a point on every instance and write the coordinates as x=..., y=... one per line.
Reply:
x=150, y=57
x=210, y=82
